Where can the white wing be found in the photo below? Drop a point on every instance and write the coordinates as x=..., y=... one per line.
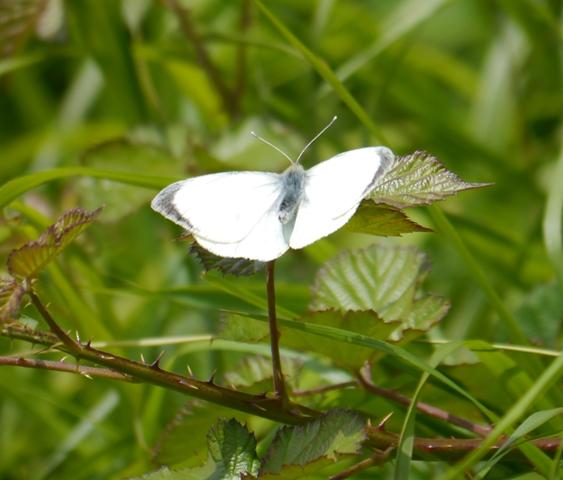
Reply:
x=233, y=214
x=333, y=190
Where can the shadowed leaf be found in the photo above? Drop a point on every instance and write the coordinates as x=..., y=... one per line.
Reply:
x=382, y=221
x=384, y=280
x=417, y=179
x=336, y=433
x=239, y=267
x=11, y=294
x=28, y=260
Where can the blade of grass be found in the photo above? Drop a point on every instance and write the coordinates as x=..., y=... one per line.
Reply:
x=552, y=227
x=443, y=225
x=16, y=187
x=550, y=375
x=377, y=345
x=406, y=439
x=325, y=72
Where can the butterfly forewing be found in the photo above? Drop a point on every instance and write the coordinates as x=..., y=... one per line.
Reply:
x=333, y=190
x=231, y=214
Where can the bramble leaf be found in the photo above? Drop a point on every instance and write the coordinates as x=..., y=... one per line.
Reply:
x=384, y=280
x=382, y=221
x=417, y=179
x=239, y=267
x=11, y=294
x=29, y=259
x=185, y=436
x=335, y=434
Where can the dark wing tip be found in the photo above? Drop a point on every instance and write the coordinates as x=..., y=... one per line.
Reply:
x=163, y=203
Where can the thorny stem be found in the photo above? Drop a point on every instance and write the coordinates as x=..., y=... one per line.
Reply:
x=279, y=383
x=364, y=379
x=127, y=370
x=378, y=458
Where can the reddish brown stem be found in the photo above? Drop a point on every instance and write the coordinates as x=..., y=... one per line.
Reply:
x=364, y=378
x=279, y=383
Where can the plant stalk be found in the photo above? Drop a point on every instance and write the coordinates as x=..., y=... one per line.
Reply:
x=279, y=383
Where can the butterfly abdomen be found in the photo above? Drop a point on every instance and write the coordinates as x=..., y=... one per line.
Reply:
x=293, y=180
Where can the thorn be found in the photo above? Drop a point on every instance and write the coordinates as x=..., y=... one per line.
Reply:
x=84, y=374
x=156, y=363
x=143, y=359
x=384, y=420
x=77, y=336
x=190, y=373
x=88, y=344
x=63, y=358
x=211, y=380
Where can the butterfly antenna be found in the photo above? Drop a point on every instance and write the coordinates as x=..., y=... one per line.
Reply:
x=315, y=138
x=273, y=146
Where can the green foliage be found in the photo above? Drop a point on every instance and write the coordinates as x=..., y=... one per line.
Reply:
x=417, y=179
x=335, y=434
x=29, y=259
x=105, y=102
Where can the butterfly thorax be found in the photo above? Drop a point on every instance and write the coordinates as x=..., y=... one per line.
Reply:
x=293, y=183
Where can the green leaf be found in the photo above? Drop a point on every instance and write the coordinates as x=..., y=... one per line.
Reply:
x=242, y=329
x=11, y=295
x=233, y=448
x=28, y=260
x=16, y=187
x=417, y=179
x=381, y=279
x=344, y=354
x=336, y=433
x=239, y=267
x=382, y=221
x=185, y=436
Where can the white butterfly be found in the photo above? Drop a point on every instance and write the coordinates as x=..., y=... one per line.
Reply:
x=260, y=215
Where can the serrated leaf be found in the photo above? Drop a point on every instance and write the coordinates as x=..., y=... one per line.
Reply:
x=233, y=448
x=382, y=221
x=238, y=267
x=382, y=279
x=11, y=294
x=18, y=17
x=253, y=374
x=417, y=179
x=28, y=260
x=346, y=355
x=337, y=432
x=165, y=473
x=185, y=436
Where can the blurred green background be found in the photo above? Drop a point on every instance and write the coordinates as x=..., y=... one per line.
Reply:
x=173, y=88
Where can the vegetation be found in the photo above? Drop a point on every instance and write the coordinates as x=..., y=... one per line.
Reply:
x=129, y=352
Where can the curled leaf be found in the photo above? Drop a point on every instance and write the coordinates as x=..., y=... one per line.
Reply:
x=239, y=267
x=417, y=179
x=11, y=295
x=29, y=259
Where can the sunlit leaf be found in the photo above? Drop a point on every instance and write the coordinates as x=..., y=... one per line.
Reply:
x=381, y=279
x=11, y=294
x=28, y=260
x=382, y=221
x=336, y=433
x=417, y=179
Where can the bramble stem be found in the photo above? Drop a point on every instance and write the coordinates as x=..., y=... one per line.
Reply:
x=279, y=384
